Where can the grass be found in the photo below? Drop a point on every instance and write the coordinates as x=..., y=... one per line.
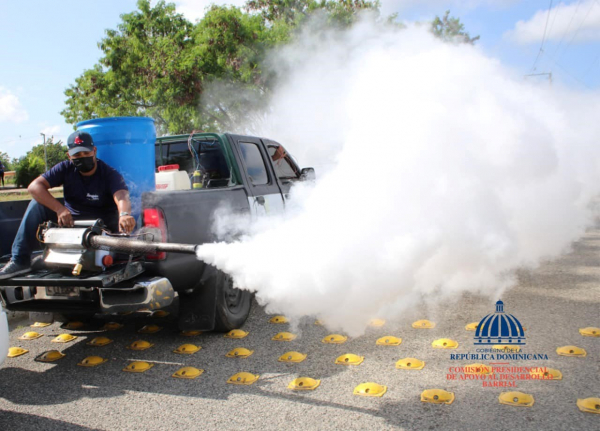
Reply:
x=23, y=195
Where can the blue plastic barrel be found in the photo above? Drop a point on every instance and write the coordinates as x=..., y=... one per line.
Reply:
x=127, y=144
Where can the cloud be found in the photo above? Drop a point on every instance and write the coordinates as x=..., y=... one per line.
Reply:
x=440, y=6
x=10, y=108
x=194, y=9
x=579, y=22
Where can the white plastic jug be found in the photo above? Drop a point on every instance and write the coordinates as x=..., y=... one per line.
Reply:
x=169, y=177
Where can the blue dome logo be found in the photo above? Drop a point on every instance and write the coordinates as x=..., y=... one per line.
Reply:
x=499, y=328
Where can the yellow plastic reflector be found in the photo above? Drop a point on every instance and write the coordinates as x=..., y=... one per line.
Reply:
x=278, y=319
x=437, y=396
x=304, y=384
x=284, y=336
x=150, y=329
x=423, y=324
x=100, y=341
x=243, y=378
x=138, y=367
x=508, y=349
x=472, y=326
x=236, y=333
x=13, y=352
x=160, y=314
x=370, y=390
x=410, y=364
x=30, y=336
x=51, y=356
x=334, y=339
x=445, y=343
x=318, y=323
x=140, y=345
x=589, y=405
x=240, y=352
x=191, y=333
x=64, y=338
x=377, y=323
x=73, y=325
x=590, y=332
x=478, y=369
x=187, y=349
x=543, y=373
x=571, y=351
x=40, y=325
x=187, y=373
x=389, y=341
x=518, y=399
x=112, y=326
x=349, y=359
x=292, y=357
x=92, y=361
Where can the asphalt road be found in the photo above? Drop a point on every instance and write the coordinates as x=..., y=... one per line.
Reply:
x=552, y=302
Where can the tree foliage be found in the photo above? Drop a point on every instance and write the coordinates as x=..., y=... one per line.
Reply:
x=32, y=165
x=5, y=159
x=450, y=29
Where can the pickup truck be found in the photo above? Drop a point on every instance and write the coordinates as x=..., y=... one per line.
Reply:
x=247, y=175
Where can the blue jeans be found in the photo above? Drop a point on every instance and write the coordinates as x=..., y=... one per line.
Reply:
x=25, y=242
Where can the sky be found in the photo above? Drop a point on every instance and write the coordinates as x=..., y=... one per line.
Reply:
x=45, y=46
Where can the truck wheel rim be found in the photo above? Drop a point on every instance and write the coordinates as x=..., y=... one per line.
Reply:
x=233, y=296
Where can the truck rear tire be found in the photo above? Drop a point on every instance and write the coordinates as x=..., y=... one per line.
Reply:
x=233, y=305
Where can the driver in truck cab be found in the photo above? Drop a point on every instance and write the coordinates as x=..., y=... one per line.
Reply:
x=92, y=190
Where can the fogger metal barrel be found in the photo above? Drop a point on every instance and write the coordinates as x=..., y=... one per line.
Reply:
x=134, y=245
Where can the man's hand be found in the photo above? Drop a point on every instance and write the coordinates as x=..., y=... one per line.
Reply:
x=126, y=224
x=65, y=218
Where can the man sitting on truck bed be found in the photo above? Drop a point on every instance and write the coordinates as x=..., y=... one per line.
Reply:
x=92, y=190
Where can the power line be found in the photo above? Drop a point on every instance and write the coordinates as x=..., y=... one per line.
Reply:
x=578, y=28
x=567, y=30
x=543, y=37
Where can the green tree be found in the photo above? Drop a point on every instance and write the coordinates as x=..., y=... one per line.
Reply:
x=450, y=29
x=5, y=159
x=32, y=165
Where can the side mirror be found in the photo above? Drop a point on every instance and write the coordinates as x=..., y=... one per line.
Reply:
x=307, y=174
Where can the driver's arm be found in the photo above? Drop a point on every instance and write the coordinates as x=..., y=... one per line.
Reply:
x=126, y=223
x=39, y=191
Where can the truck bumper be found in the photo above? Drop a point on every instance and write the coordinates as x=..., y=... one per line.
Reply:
x=150, y=293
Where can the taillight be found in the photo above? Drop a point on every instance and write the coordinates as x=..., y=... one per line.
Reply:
x=154, y=218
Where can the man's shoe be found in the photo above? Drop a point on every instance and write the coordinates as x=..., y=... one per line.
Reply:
x=12, y=269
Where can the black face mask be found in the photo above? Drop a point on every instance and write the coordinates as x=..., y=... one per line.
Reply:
x=84, y=164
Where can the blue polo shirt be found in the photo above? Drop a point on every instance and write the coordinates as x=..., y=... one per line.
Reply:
x=89, y=198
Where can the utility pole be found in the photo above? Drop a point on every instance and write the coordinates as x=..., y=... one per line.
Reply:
x=548, y=75
x=45, y=155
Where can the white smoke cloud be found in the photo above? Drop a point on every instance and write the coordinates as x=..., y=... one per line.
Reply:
x=11, y=109
x=446, y=173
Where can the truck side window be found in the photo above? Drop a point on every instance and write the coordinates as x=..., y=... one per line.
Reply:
x=255, y=165
x=283, y=169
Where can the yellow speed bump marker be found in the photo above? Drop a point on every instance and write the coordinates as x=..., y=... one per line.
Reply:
x=243, y=378
x=477, y=369
x=370, y=390
x=410, y=364
x=376, y=323
x=445, y=343
x=437, y=396
x=472, y=326
x=423, y=324
x=13, y=352
x=295, y=357
x=284, y=336
x=187, y=349
x=50, y=356
x=112, y=326
x=543, y=373
x=589, y=405
x=590, y=332
x=30, y=336
x=92, y=361
x=389, y=341
x=138, y=367
x=240, y=352
x=73, y=325
x=140, y=345
x=517, y=399
x=187, y=373
x=100, y=341
x=571, y=351
x=236, y=334
x=349, y=359
x=159, y=314
x=40, y=325
x=318, y=323
x=150, y=329
x=191, y=333
x=64, y=338
x=334, y=339
x=278, y=319
x=507, y=349
x=304, y=384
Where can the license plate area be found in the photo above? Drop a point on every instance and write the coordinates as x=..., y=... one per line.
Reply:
x=62, y=291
